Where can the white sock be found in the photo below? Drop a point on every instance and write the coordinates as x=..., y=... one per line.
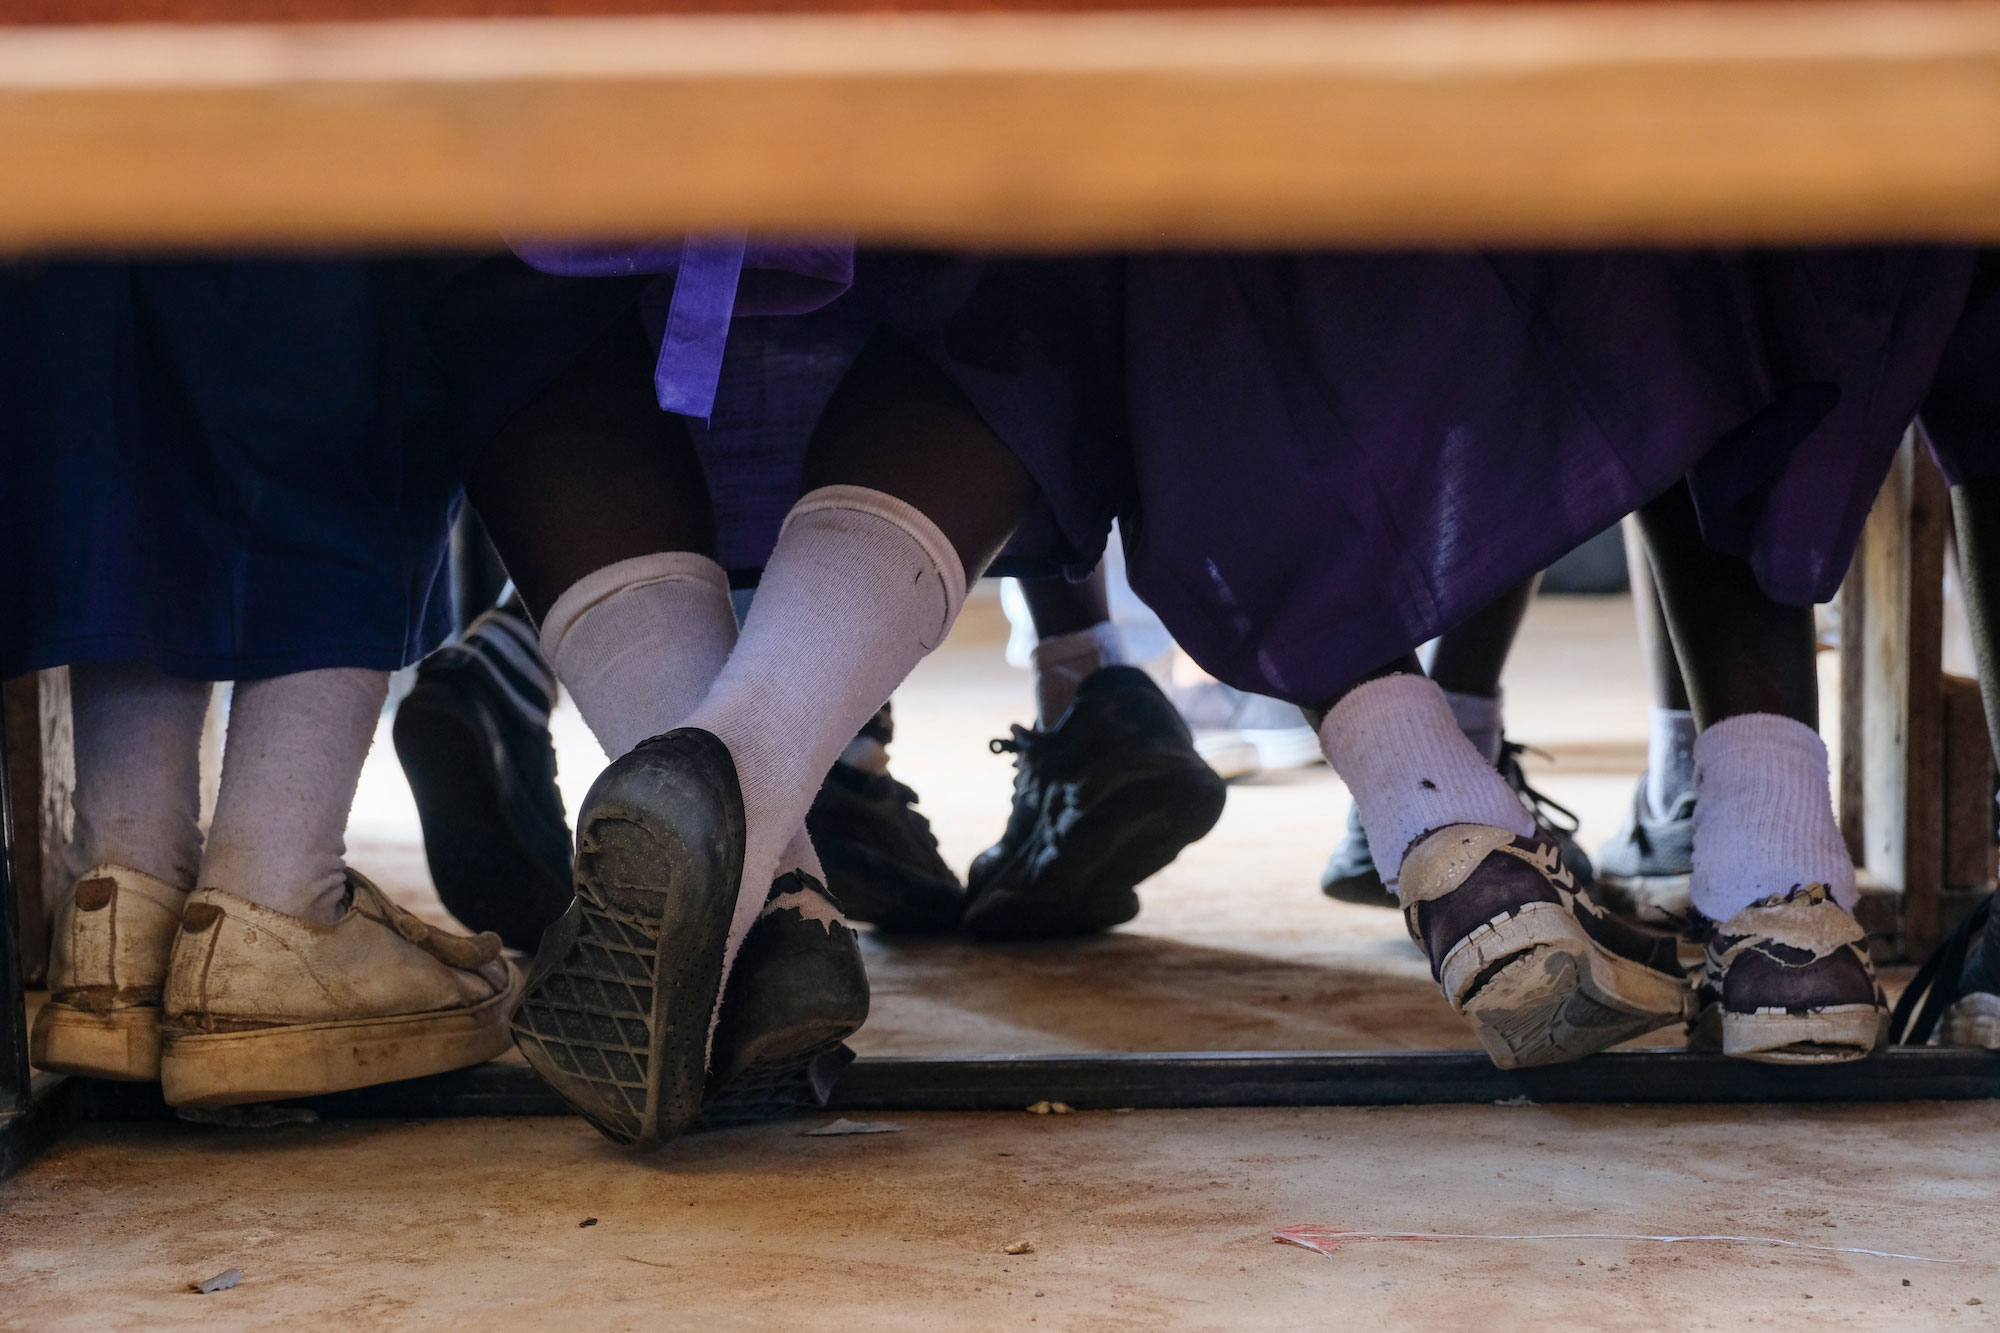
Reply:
x=290, y=764
x=138, y=770
x=1763, y=816
x=1478, y=716
x=638, y=643
x=1062, y=661
x=1669, y=758
x=1396, y=744
x=860, y=587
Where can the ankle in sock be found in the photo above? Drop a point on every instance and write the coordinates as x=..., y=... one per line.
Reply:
x=638, y=643
x=290, y=765
x=1669, y=758
x=1063, y=661
x=1411, y=770
x=860, y=587
x=1479, y=717
x=138, y=770
x=1763, y=816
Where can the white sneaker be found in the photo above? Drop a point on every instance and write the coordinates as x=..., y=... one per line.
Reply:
x=261, y=1006
x=114, y=928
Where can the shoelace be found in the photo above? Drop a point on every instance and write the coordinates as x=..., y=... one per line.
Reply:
x=1936, y=982
x=1021, y=744
x=1542, y=807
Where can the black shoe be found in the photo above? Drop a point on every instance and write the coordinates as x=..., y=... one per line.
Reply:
x=617, y=1009
x=1557, y=822
x=484, y=778
x=1104, y=798
x=881, y=858
x=1643, y=872
x=1350, y=873
x=798, y=991
x=1955, y=996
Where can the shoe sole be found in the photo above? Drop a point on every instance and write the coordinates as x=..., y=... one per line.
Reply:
x=1659, y=901
x=1539, y=991
x=476, y=859
x=308, y=1059
x=618, y=1010
x=1972, y=1021
x=796, y=1082
x=123, y=1045
x=1124, y=840
x=1830, y=1036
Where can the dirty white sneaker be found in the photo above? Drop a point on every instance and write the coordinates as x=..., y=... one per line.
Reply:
x=114, y=928
x=1787, y=980
x=262, y=1006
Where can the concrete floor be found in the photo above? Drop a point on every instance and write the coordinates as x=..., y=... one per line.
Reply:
x=1138, y=1219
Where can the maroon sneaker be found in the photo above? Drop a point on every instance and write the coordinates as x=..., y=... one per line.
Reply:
x=1543, y=973
x=1787, y=981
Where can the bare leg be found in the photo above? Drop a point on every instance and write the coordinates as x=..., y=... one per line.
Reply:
x=1471, y=654
x=1062, y=607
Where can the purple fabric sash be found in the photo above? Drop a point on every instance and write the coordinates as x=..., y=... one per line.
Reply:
x=715, y=278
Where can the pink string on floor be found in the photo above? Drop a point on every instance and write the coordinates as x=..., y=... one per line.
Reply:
x=1327, y=1240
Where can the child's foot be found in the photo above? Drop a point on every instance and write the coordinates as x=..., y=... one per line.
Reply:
x=473, y=738
x=1787, y=980
x=618, y=1008
x=114, y=930
x=1103, y=799
x=1643, y=872
x=1543, y=973
x=262, y=1006
x=798, y=990
x=881, y=858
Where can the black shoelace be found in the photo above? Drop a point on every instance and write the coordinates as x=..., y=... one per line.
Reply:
x=1935, y=987
x=1545, y=809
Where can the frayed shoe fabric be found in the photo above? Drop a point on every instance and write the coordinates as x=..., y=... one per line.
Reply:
x=261, y=1006
x=114, y=932
x=1787, y=980
x=1542, y=973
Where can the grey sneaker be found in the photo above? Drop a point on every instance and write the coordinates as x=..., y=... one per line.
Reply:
x=1787, y=981
x=1543, y=973
x=1643, y=872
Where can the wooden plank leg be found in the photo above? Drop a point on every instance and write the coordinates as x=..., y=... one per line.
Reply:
x=13, y=983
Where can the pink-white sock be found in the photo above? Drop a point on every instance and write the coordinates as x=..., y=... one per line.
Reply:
x=1065, y=661
x=1396, y=744
x=860, y=587
x=1763, y=816
x=638, y=644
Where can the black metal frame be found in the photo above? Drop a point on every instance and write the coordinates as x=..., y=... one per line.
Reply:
x=37, y=1109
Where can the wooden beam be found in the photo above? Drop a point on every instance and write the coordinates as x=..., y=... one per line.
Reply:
x=1419, y=125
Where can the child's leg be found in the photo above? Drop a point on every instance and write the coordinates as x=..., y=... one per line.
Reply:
x=132, y=863
x=908, y=495
x=293, y=975
x=1788, y=977
x=1542, y=973
x=1076, y=639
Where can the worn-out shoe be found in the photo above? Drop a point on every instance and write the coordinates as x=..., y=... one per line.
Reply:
x=262, y=1006
x=114, y=929
x=1542, y=973
x=1787, y=980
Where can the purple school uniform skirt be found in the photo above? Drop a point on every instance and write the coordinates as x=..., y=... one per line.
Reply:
x=225, y=469
x=1322, y=461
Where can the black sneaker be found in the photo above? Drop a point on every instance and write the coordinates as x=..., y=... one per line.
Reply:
x=473, y=738
x=881, y=858
x=1351, y=875
x=1954, y=999
x=1106, y=797
x=1787, y=980
x=1643, y=872
x=617, y=1011
x=798, y=991
x=1542, y=972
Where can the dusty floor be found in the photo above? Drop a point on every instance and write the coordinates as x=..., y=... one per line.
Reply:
x=1142, y=1219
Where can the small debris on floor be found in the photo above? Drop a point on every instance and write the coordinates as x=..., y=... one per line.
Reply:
x=1019, y=1247
x=1906, y=1282
x=588, y=1222
x=1050, y=1108
x=257, y=1115
x=1975, y=1301
x=845, y=1126
x=222, y=1281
